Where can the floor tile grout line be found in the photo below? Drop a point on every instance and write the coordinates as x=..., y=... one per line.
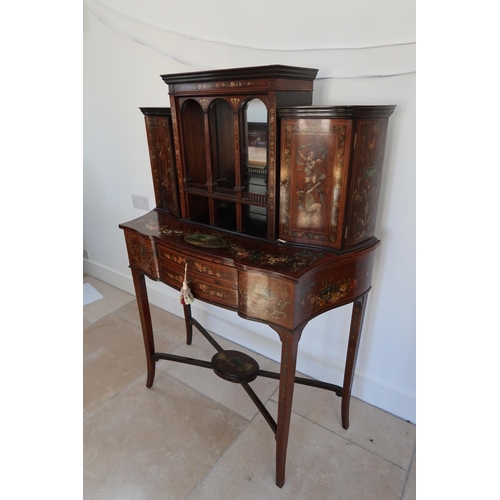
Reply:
x=198, y=486
x=143, y=374
x=92, y=323
x=351, y=441
x=218, y=402
x=343, y=437
x=339, y=435
x=409, y=472
x=133, y=299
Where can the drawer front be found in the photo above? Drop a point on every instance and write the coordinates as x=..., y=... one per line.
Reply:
x=207, y=280
x=203, y=289
x=171, y=277
x=212, y=293
x=198, y=269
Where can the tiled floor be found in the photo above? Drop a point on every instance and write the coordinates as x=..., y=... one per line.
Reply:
x=195, y=436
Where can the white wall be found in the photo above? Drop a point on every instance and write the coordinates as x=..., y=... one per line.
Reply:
x=365, y=53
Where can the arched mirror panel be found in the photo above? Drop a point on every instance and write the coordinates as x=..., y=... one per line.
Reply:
x=255, y=130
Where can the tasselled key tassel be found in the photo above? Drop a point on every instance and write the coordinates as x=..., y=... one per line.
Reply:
x=186, y=296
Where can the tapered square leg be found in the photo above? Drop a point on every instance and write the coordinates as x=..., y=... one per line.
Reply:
x=289, y=349
x=358, y=313
x=145, y=316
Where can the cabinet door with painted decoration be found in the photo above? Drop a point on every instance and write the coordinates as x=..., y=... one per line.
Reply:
x=366, y=180
x=160, y=142
x=315, y=155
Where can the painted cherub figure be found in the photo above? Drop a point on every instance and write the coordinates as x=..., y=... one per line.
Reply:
x=311, y=192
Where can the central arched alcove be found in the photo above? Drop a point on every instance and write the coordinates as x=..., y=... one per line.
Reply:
x=221, y=123
x=195, y=158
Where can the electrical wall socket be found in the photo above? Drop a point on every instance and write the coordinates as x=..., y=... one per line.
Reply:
x=141, y=202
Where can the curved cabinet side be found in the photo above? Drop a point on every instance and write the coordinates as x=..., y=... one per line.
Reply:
x=334, y=285
x=142, y=253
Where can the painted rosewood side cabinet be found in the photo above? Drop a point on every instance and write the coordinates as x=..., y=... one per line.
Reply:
x=265, y=205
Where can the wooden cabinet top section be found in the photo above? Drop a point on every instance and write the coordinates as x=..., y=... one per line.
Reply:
x=347, y=112
x=237, y=80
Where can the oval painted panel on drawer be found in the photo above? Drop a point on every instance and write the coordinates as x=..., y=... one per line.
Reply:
x=265, y=297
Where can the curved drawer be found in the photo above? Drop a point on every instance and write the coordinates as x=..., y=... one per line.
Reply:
x=208, y=281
